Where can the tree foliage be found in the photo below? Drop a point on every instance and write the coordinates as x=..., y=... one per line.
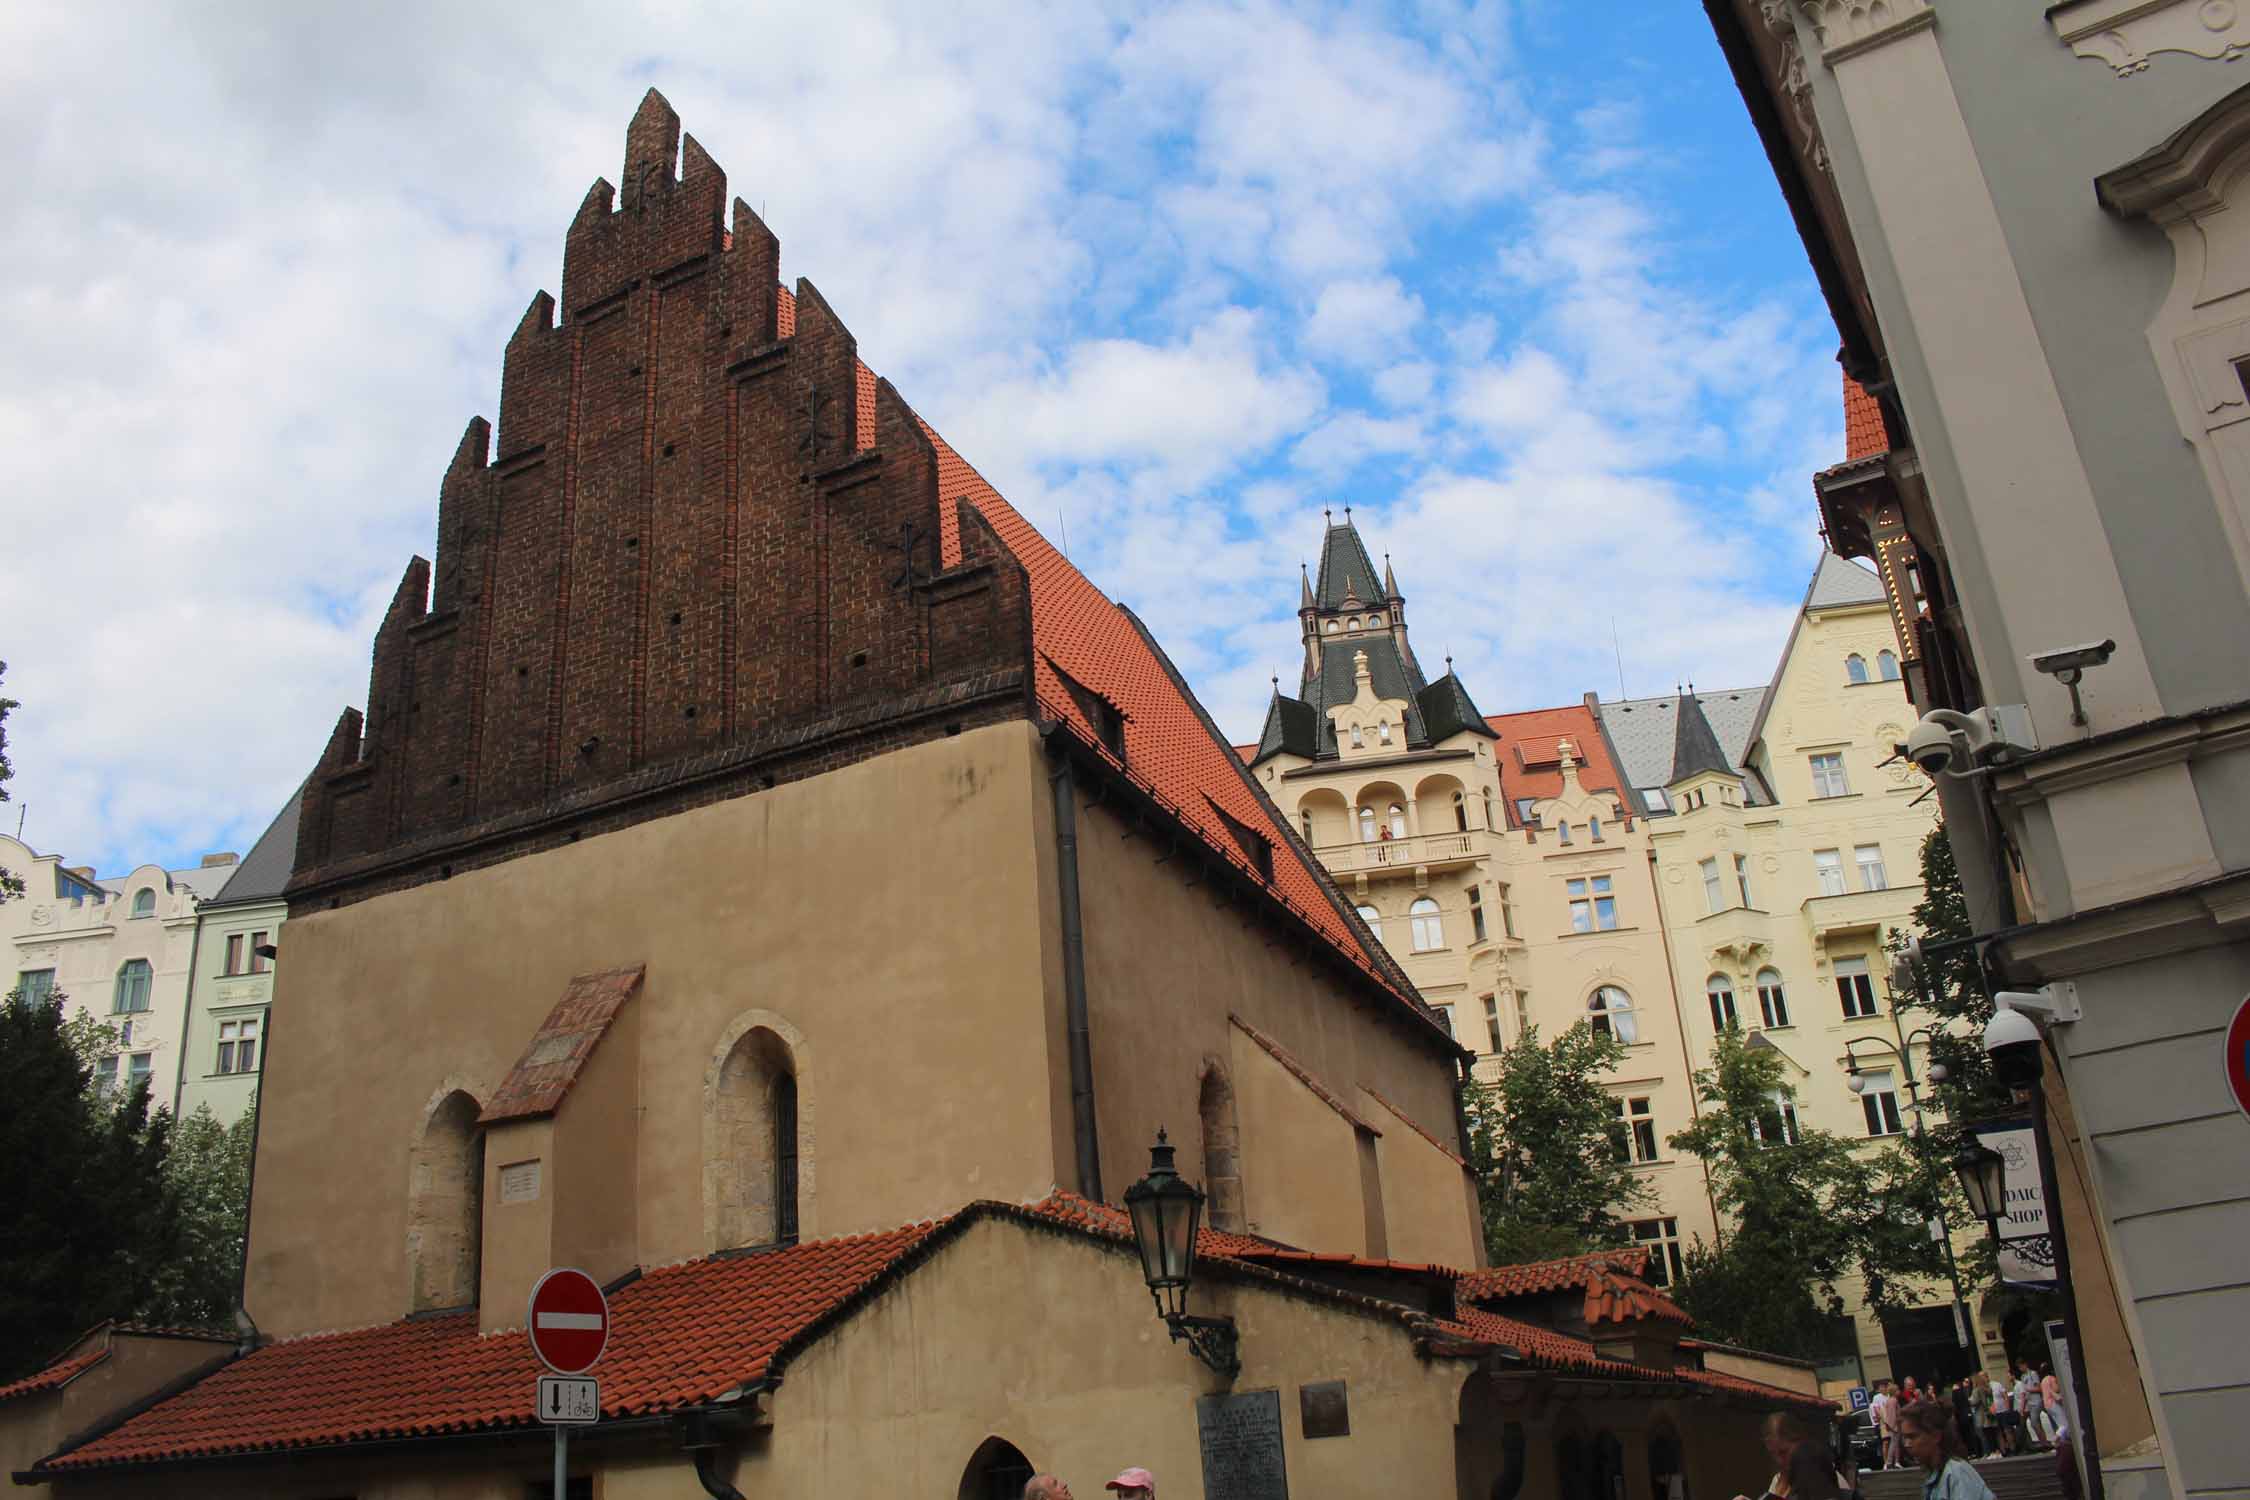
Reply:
x=207, y=1182
x=90, y=1217
x=1805, y=1212
x=1548, y=1151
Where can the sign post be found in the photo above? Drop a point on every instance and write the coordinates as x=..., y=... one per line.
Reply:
x=569, y=1327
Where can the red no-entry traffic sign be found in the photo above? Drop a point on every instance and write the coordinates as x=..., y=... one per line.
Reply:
x=2238, y=1057
x=569, y=1321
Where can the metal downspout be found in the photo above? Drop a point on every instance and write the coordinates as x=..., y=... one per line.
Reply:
x=1064, y=786
x=244, y=1324
x=708, y=1477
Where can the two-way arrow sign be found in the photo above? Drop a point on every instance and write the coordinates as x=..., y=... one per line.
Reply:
x=569, y=1400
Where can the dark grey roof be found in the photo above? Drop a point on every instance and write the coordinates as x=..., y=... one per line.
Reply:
x=1644, y=732
x=1695, y=747
x=265, y=869
x=1838, y=581
x=1345, y=567
x=1446, y=710
x=1392, y=671
x=1291, y=726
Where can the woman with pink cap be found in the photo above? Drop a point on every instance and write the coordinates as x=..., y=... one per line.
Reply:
x=1134, y=1484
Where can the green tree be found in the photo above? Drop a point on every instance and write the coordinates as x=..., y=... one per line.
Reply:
x=1806, y=1209
x=90, y=1217
x=11, y=884
x=1548, y=1149
x=207, y=1180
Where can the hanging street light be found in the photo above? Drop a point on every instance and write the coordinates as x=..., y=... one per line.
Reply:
x=1166, y=1210
x=1983, y=1174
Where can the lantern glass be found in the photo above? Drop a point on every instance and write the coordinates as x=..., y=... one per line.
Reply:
x=1983, y=1174
x=1166, y=1210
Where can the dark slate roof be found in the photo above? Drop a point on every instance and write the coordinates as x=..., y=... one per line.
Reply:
x=1344, y=564
x=1837, y=581
x=1643, y=733
x=1695, y=748
x=1446, y=710
x=265, y=869
x=1291, y=726
x=1394, y=673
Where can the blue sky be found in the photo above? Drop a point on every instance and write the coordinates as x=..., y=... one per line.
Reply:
x=1513, y=281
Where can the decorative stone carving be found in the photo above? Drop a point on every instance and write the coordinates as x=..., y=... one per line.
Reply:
x=1792, y=81
x=1847, y=27
x=2126, y=33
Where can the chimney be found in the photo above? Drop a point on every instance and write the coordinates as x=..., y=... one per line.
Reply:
x=223, y=857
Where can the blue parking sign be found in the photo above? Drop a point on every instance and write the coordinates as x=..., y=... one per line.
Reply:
x=1859, y=1398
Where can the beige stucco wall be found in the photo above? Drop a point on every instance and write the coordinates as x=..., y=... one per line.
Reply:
x=1166, y=966
x=31, y=1427
x=887, y=910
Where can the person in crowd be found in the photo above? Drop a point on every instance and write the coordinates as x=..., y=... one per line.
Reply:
x=1946, y=1475
x=1045, y=1487
x=2028, y=1409
x=1884, y=1408
x=1965, y=1418
x=1980, y=1407
x=1804, y=1469
x=1134, y=1484
x=2004, y=1416
x=2051, y=1403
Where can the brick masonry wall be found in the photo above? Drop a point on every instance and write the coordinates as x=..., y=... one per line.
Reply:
x=695, y=562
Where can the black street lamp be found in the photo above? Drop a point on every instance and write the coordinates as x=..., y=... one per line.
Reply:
x=1935, y=1072
x=1166, y=1210
x=1983, y=1175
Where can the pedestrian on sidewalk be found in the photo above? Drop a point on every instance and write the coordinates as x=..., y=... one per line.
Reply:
x=1980, y=1407
x=1884, y=1409
x=1134, y=1484
x=2004, y=1415
x=1045, y=1487
x=1965, y=1418
x=1946, y=1475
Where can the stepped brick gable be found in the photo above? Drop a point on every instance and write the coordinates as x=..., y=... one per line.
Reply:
x=702, y=556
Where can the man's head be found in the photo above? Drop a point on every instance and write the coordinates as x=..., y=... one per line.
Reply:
x=1045, y=1487
x=1783, y=1431
x=1134, y=1484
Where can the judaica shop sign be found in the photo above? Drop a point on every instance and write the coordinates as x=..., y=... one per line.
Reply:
x=2027, y=1256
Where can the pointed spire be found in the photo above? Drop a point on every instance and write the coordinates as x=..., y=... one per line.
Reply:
x=1695, y=747
x=1390, y=584
x=1304, y=587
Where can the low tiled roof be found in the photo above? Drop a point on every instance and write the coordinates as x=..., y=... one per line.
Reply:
x=1864, y=436
x=57, y=1375
x=1613, y=1297
x=1526, y=753
x=559, y=1048
x=1304, y=1075
x=1533, y=1278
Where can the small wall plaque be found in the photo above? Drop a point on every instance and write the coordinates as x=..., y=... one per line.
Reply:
x=1325, y=1408
x=519, y=1181
x=1241, y=1441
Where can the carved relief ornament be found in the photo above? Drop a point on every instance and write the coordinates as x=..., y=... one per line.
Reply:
x=1847, y=27
x=2126, y=33
x=1791, y=84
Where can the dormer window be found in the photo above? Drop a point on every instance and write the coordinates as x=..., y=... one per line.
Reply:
x=1374, y=622
x=1563, y=830
x=1359, y=740
x=144, y=902
x=1102, y=716
x=1352, y=623
x=1256, y=847
x=1330, y=627
x=1594, y=829
x=1383, y=730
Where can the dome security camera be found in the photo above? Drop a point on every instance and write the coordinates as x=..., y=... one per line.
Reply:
x=1947, y=743
x=1937, y=747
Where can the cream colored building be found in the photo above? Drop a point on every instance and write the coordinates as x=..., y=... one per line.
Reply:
x=120, y=949
x=230, y=995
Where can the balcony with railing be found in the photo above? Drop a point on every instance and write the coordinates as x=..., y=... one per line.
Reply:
x=1860, y=911
x=1402, y=856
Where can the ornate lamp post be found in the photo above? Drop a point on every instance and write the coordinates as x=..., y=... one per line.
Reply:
x=1983, y=1175
x=1167, y=1209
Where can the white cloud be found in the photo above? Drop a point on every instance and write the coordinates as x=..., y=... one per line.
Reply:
x=1361, y=322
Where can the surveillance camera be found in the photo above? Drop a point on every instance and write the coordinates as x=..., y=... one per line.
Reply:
x=1947, y=743
x=1937, y=747
x=2068, y=662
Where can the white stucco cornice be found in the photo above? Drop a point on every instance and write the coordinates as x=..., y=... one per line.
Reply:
x=2181, y=177
x=1847, y=28
x=2125, y=34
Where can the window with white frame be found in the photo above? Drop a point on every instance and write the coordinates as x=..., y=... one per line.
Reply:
x=1476, y=915
x=1656, y=799
x=1776, y=1124
x=238, y=1045
x=1398, y=821
x=1828, y=867
x=1878, y=1099
x=36, y=986
x=133, y=978
x=1828, y=775
x=144, y=902
x=1855, y=667
x=1507, y=913
x=1594, y=829
x=1869, y=858
x=1637, y=1130
x=1367, y=825
x=1562, y=829
x=1661, y=1238
x=1373, y=919
x=1592, y=907
x=1719, y=991
x=1610, y=1013
x=234, y=953
x=1461, y=812
x=105, y=1077
x=1359, y=738
x=1492, y=1021
x=1714, y=899
x=1886, y=666
x=1742, y=879
x=1855, y=987
x=1773, y=1003
x=258, y=961
x=138, y=1069
x=1383, y=730
x=1429, y=927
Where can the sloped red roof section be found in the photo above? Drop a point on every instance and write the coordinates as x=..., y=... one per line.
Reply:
x=1527, y=754
x=551, y=1060
x=57, y=1375
x=1864, y=436
x=1303, y=1075
x=1532, y=1278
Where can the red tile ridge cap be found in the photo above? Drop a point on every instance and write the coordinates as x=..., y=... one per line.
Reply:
x=1303, y=1075
x=1414, y=1125
x=550, y=1062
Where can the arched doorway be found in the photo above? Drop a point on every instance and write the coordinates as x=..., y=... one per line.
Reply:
x=996, y=1471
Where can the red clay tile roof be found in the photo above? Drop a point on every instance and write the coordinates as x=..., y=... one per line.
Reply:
x=561, y=1045
x=1526, y=754
x=1864, y=436
x=1532, y=1278
x=1408, y=1122
x=679, y=1336
x=1303, y=1075
x=1614, y=1298
x=55, y=1376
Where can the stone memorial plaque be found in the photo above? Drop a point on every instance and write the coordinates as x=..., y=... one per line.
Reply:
x=1240, y=1436
x=1325, y=1408
x=519, y=1181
